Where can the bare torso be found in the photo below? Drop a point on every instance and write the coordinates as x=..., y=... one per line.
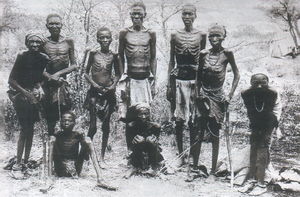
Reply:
x=101, y=67
x=214, y=70
x=58, y=53
x=137, y=51
x=187, y=47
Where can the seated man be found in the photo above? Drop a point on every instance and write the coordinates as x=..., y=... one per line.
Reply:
x=68, y=160
x=263, y=109
x=143, y=136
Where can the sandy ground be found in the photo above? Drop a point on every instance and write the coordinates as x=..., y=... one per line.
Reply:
x=164, y=185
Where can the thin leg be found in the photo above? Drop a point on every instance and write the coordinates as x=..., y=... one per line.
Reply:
x=21, y=145
x=105, y=135
x=179, y=135
x=28, y=143
x=51, y=127
x=179, y=138
x=262, y=164
x=215, y=154
x=195, y=145
x=93, y=119
x=100, y=181
x=50, y=155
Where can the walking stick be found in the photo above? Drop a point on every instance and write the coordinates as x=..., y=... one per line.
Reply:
x=228, y=143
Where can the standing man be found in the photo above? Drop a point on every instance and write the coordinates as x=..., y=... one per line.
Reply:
x=62, y=62
x=211, y=99
x=101, y=98
x=138, y=45
x=186, y=45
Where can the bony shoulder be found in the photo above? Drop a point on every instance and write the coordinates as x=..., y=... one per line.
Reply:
x=155, y=125
x=204, y=51
x=44, y=55
x=227, y=51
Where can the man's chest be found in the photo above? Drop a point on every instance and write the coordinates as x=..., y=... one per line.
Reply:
x=102, y=61
x=137, y=38
x=56, y=49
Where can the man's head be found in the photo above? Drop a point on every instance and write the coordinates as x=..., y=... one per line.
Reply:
x=54, y=24
x=138, y=13
x=143, y=112
x=188, y=14
x=104, y=37
x=34, y=41
x=259, y=80
x=68, y=121
x=216, y=35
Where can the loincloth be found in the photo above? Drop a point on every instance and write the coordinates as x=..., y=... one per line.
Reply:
x=57, y=95
x=104, y=103
x=184, y=105
x=134, y=91
x=65, y=168
x=211, y=104
x=25, y=111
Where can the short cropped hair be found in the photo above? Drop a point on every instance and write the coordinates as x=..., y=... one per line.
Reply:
x=259, y=74
x=102, y=29
x=188, y=5
x=139, y=4
x=70, y=113
x=53, y=15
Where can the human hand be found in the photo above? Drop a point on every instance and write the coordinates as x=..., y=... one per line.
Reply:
x=101, y=89
x=138, y=139
x=152, y=139
x=152, y=87
x=169, y=93
x=30, y=97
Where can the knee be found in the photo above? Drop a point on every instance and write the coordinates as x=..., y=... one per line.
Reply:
x=92, y=101
x=52, y=139
x=88, y=140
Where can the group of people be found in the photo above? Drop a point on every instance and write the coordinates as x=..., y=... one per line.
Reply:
x=196, y=76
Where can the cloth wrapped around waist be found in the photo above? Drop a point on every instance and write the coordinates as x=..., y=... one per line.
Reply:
x=211, y=103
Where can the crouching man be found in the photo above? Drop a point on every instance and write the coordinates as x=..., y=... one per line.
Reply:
x=67, y=157
x=143, y=135
x=263, y=109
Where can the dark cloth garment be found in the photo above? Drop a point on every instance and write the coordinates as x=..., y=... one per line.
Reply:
x=27, y=72
x=57, y=97
x=26, y=112
x=66, y=153
x=144, y=154
x=28, y=69
x=261, y=138
x=211, y=103
x=104, y=105
x=211, y=72
x=260, y=104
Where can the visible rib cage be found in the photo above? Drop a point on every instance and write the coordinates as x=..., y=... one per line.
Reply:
x=188, y=44
x=102, y=62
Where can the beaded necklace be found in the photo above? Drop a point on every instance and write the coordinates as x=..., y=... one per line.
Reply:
x=255, y=105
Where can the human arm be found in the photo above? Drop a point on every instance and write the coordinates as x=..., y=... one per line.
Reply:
x=236, y=74
x=122, y=49
x=203, y=41
x=278, y=107
x=118, y=68
x=171, y=66
x=155, y=132
x=153, y=62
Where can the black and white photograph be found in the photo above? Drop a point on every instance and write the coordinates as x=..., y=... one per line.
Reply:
x=148, y=98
